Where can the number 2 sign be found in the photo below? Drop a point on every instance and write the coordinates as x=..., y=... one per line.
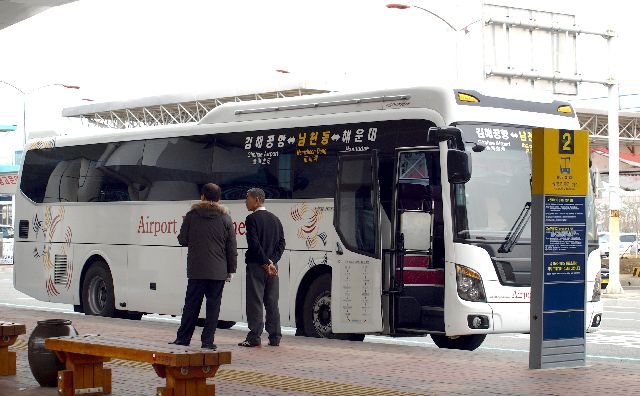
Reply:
x=566, y=142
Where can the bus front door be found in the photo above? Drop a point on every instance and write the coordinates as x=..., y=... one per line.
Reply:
x=356, y=285
x=414, y=275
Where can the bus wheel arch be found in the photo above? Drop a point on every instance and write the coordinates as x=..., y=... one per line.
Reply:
x=313, y=306
x=96, y=288
x=87, y=264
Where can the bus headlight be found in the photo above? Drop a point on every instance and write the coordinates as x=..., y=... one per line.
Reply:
x=469, y=283
x=597, y=288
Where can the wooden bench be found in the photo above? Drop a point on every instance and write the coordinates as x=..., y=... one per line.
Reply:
x=9, y=333
x=185, y=368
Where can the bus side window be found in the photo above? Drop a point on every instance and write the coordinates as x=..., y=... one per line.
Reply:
x=51, y=175
x=174, y=169
x=62, y=185
x=118, y=169
x=356, y=206
x=236, y=169
x=36, y=172
x=315, y=179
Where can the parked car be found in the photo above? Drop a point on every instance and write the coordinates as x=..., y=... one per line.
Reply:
x=604, y=277
x=7, y=231
x=628, y=244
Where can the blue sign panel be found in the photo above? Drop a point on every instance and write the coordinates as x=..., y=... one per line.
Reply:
x=565, y=239
x=563, y=296
x=564, y=268
x=562, y=325
x=564, y=210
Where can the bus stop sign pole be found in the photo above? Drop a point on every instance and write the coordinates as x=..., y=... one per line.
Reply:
x=560, y=181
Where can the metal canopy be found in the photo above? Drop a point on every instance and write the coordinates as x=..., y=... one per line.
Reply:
x=14, y=11
x=167, y=110
x=595, y=121
x=181, y=109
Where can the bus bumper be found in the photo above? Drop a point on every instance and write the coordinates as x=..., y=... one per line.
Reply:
x=514, y=317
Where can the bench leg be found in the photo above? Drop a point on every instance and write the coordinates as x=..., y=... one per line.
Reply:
x=7, y=361
x=85, y=374
x=7, y=358
x=186, y=381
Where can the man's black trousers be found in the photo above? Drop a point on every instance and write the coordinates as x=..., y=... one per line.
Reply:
x=196, y=290
x=262, y=290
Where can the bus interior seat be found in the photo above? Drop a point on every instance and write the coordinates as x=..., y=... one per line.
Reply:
x=63, y=183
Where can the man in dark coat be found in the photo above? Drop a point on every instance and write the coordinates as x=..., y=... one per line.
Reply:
x=265, y=245
x=208, y=232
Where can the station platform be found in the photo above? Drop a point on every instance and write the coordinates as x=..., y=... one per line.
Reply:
x=307, y=366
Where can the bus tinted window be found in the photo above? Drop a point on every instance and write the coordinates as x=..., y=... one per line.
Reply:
x=111, y=172
x=356, y=214
x=237, y=169
x=38, y=172
x=316, y=179
x=175, y=169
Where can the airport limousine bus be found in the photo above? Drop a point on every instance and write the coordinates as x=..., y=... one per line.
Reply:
x=389, y=228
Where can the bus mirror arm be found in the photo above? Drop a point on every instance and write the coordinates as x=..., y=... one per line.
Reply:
x=451, y=134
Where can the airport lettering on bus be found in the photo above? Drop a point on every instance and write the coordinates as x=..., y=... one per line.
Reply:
x=158, y=227
x=155, y=227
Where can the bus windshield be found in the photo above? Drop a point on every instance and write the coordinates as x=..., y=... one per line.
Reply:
x=488, y=206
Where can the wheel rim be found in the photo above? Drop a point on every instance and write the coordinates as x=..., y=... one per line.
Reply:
x=322, y=314
x=97, y=294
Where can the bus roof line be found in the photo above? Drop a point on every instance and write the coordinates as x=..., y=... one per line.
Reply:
x=374, y=99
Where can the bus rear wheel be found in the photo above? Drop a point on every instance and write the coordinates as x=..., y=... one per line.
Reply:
x=97, y=291
x=465, y=343
x=316, y=312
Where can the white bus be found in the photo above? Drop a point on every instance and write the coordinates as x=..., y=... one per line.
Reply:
x=389, y=230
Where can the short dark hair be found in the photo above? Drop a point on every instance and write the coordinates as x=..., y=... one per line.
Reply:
x=257, y=193
x=211, y=192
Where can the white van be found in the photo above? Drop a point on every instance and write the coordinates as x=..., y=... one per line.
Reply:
x=628, y=244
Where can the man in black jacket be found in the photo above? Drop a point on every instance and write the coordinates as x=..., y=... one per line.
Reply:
x=265, y=245
x=208, y=232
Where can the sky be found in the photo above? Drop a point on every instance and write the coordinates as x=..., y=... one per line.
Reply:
x=124, y=49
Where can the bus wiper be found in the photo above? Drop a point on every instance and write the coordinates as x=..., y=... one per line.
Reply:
x=516, y=230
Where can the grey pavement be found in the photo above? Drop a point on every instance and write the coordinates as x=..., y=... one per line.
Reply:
x=305, y=366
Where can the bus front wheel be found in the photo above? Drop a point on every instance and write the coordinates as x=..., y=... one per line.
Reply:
x=97, y=291
x=465, y=343
x=316, y=312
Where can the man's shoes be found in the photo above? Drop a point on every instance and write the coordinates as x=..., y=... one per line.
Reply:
x=176, y=342
x=213, y=347
x=274, y=342
x=248, y=344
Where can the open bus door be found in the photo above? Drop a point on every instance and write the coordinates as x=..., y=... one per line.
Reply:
x=356, y=285
x=414, y=279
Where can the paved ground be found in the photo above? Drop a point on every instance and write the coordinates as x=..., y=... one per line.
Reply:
x=303, y=366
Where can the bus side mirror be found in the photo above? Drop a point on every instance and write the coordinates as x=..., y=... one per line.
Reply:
x=459, y=166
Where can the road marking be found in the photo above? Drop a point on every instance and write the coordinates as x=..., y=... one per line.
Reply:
x=39, y=308
x=622, y=319
x=631, y=332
